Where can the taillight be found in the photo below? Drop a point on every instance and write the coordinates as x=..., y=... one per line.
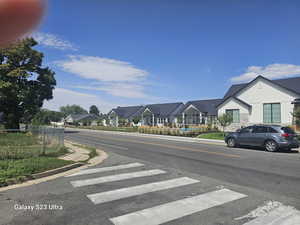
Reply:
x=285, y=135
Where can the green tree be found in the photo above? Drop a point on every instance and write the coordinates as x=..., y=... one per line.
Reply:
x=44, y=117
x=296, y=115
x=94, y=110
x=136, y=120
x=72, y=109
x=225, y=120
x=24, y=83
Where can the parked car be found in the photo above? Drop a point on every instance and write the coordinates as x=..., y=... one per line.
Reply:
x=271, y=137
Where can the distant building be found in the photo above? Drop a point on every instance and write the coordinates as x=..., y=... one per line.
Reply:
x=161, y=114
x=199, y=112
x=82, y=119
x=121, y=115
x=261, y=101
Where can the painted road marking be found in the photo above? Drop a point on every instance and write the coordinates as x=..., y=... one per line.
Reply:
x=139, y=190
x=177, y=209
x=123, y=176
x=283, y=215
x=106, y=169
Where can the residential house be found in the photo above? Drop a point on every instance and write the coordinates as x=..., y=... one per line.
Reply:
x=161, y=114
x=261, y=101
x=82, y=119
x=121, y=115
x=199, y=112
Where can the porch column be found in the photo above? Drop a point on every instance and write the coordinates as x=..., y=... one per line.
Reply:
x=200, y=117
x=153, y=122
x=183, y=119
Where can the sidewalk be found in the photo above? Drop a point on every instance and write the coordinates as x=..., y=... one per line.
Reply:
x=76, y=154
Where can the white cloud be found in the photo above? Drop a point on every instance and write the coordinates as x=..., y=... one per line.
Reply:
x=51, y=40
x=101, y=69
x=272, y=71
x=62, y=97
x=126, y=90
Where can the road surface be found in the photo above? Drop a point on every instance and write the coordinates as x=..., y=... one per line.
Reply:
x=149, y=181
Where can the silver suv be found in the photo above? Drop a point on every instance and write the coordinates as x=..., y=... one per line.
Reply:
x=271, y=137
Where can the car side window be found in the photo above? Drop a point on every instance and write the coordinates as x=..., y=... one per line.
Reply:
x=246, y=130
x=272, y=130
x=260, y=129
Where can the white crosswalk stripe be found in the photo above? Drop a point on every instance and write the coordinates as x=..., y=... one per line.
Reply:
x=139, y=190
x=177, y=209
x=106, y=169
x=118, y=177
x=283, y=215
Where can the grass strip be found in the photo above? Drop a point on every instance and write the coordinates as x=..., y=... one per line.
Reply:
x=216, y=136
x=14, y=171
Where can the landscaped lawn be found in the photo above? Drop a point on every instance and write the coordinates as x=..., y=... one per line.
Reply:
x=21, y=156
x=217, y=136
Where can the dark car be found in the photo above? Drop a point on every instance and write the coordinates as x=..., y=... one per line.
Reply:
x=271, y=137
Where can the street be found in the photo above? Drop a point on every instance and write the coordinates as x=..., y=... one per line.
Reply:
x=148, y=180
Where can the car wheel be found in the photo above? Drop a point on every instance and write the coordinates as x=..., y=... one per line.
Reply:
x=231, y=143
x=271, y=146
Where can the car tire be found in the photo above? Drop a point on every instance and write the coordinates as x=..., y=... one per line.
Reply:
x=271, y=146
x=231, y=143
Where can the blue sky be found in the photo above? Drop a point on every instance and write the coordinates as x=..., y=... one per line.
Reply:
x=128, y=52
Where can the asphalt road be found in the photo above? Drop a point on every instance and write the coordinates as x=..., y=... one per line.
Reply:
x=277, y=173
x=151, y=181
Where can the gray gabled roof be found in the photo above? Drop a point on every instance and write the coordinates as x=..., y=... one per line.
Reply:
x=129, y=111
x=78, y=117
x=237, y=99
x=205, y=106
x=291, y=84
x=165, y=109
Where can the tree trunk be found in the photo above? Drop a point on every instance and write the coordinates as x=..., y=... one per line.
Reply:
x=12, y=121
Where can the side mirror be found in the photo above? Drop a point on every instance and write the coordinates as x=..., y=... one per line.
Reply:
x=238, y=130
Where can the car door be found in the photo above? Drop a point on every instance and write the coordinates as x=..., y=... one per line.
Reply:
x=259, y=135
x=245, y=135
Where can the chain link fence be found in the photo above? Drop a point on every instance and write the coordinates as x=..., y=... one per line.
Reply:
x=33, y=141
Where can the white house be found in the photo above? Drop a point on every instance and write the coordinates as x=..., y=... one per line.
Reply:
x=261, y=101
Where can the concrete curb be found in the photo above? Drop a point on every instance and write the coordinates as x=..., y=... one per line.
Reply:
x=58, y=172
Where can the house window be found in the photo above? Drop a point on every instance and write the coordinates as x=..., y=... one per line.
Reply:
x=272, y=113
x=235, y=114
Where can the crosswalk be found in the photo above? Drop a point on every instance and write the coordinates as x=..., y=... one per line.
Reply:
x=172, y=210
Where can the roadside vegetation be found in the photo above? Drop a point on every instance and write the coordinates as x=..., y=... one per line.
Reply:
x=215, y=135
x=21, y=155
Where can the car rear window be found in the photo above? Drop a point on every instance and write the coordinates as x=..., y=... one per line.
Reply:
x=287, y=130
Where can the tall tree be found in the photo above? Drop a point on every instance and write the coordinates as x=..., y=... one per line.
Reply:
x=94, y=110
x=72, y=109
x=44, y=117
x=24, y=83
